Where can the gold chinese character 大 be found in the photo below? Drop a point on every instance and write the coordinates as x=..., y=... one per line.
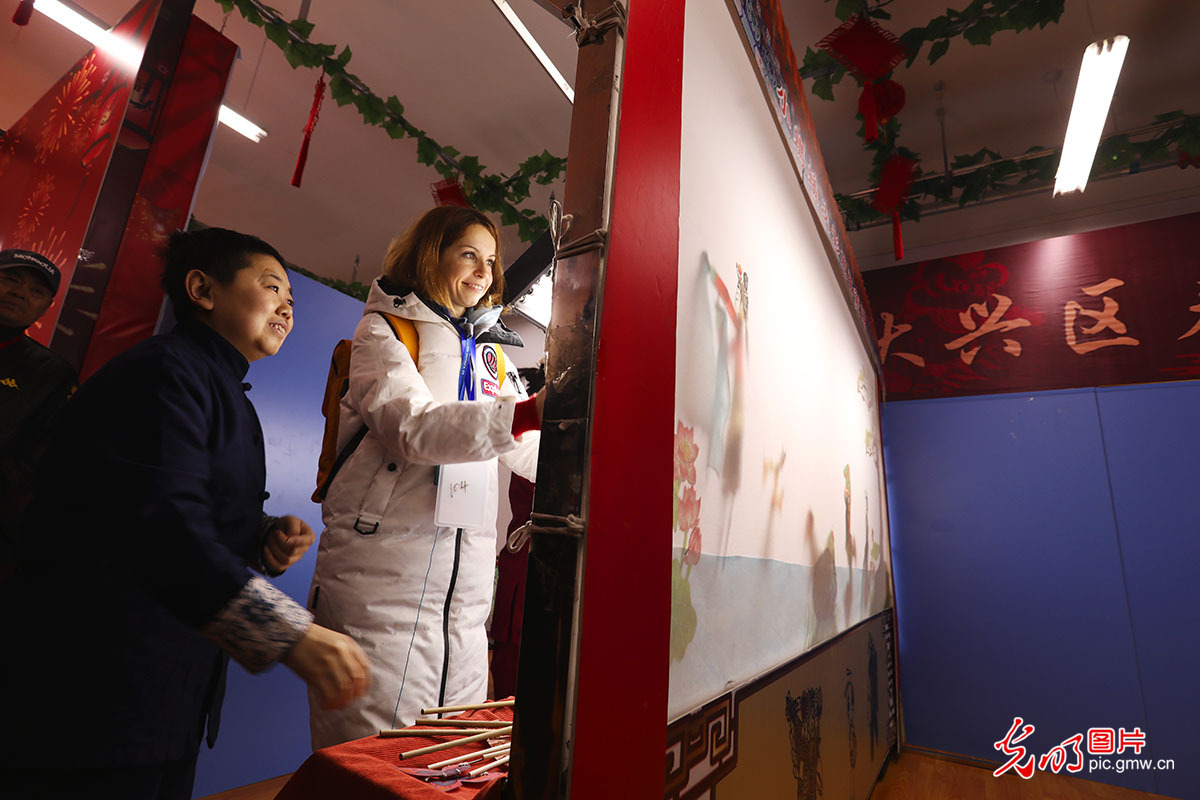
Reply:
x=890, y=332
x=1195, y=328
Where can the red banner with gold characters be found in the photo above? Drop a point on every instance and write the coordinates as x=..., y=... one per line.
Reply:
x=1113, y=306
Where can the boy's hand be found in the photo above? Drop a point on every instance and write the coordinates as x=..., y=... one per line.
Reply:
x=332, y=664
x=286, y=543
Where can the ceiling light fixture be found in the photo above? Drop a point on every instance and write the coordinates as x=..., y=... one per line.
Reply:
x=1093, y=94
x=535, y=48
x=124, y=51
x=536, y=303
x=128, y=55
x=240, y=124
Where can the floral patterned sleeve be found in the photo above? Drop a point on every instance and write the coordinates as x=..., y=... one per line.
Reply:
x=259, y=625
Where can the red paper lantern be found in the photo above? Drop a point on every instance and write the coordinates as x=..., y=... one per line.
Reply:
x=449, y=193
x=23, y=13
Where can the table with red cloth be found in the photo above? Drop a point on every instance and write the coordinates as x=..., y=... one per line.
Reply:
x=369, y=769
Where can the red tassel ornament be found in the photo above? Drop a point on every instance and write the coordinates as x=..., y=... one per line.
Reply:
x=893, y=188
x=879, y=102
x=23, y=13
x=868, y=106
x=318, y=96
x=897, y=237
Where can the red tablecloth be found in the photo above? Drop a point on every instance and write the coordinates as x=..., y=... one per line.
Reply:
x=369, y=769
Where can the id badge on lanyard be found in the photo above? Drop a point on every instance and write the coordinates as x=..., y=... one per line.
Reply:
x=462, y=488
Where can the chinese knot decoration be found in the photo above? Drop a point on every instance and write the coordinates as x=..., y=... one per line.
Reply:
x=869, y=53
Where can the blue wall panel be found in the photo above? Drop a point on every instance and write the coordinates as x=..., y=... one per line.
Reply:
x=1152, y=437
x=1007, y=571
x=264, y=726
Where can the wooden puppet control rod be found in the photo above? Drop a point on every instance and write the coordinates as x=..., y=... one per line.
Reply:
x=475, y=707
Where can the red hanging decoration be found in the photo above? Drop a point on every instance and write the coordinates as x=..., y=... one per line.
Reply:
x=23, y=13
x=318, y=96
x=894, y=182
x=879, y=102
x=870, y=53
x=1186, y=159
x=449, y=193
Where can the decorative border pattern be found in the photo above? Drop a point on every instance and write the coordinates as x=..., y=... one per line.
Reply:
x=767, y=38
x=701, y=750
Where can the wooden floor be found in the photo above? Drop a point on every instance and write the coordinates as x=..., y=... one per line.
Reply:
x=911, y=777
x=263, y=790
x=920, y=777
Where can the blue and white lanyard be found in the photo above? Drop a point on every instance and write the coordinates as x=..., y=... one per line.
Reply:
x=466, y=371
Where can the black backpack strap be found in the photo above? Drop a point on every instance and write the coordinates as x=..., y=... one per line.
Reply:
x=341, y=459
x=357, y=438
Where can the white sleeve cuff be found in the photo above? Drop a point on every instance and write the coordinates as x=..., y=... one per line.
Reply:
x=500, y=424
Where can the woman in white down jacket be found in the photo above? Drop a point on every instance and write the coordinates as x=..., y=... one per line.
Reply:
x=415, y=596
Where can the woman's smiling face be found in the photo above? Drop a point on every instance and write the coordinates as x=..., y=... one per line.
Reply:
x=466, y=267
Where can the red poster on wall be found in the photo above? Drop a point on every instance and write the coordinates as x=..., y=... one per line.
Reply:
x=53, y=159
x=1114, y=306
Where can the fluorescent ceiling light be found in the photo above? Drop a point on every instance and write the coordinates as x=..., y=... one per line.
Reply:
x=240, y=124
x=536, y=303
x=129, y=55
x=535, y=48
x=123, y=50
x=1093, y=94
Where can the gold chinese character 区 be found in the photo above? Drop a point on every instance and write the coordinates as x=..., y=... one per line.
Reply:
x=1106, y=319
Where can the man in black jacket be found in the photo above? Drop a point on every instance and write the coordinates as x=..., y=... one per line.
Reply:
x=34, y=382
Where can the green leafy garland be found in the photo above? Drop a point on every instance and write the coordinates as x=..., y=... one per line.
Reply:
x=985, y=172
x=977, y=23
x=488, y=192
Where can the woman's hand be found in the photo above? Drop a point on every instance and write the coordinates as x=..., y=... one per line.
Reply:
x=286, y=543
x=332, y=664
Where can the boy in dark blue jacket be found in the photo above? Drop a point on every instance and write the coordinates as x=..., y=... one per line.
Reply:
x=133, y=584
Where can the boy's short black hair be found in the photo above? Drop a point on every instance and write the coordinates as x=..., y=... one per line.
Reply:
x=216, y=251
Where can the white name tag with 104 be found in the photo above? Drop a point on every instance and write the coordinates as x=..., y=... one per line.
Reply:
x=462, y=495
x=462, y=488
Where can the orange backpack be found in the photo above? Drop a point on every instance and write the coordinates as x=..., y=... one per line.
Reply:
x=336, y=386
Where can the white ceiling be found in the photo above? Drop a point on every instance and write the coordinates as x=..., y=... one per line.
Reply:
x=464, y=76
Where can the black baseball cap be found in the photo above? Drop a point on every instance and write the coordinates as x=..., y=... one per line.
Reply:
x=43, y=266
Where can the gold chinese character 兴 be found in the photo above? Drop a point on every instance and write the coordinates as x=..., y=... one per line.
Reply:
x=890, y=332
x=1106, y=319
x=994, y=322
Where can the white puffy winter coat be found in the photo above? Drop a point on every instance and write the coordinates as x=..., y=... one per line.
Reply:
x=415, y=597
